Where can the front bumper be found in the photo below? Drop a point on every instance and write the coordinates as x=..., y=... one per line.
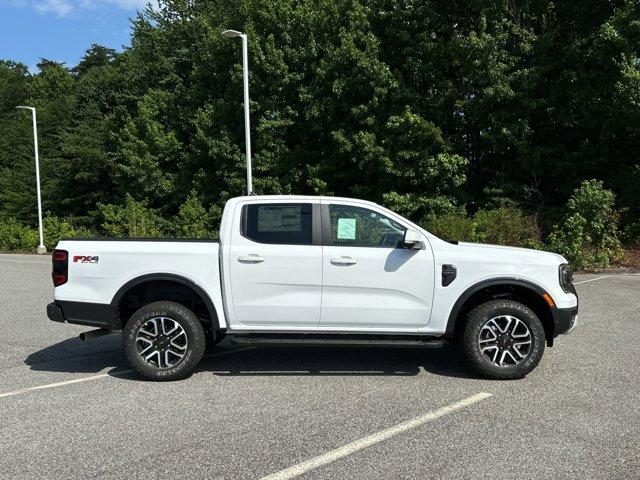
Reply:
x=565, y=320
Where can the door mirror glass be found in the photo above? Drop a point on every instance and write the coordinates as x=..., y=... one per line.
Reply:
x=412, y=240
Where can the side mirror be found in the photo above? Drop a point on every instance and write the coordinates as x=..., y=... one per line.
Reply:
x=412, y=240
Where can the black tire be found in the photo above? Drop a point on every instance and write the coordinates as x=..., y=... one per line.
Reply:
x=194, y=345
x=479, y=317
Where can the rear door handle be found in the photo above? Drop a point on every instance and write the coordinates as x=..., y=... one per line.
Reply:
x=344, y=261
x=251, y=258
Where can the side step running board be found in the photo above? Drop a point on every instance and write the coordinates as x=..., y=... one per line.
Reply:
x=336, y=339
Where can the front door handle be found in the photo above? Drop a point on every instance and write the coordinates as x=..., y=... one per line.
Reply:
x=344, y=261
x=251, y=258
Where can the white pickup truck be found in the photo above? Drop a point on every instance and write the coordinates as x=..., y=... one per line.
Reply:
x=317, y=270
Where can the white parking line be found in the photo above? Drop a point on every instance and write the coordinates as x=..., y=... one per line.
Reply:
x=370, y=440
x=59, y=384
x=591, y=280
x=100, y=376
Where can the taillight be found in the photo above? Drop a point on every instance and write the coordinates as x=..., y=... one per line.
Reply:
x=59, y=271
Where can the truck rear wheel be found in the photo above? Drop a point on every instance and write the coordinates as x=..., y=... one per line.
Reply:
x=164, y=341
x=503, y=339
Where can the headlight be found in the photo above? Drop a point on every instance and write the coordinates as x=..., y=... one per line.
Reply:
x=566, y=278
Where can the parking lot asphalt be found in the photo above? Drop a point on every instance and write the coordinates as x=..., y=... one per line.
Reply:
x=70, y=409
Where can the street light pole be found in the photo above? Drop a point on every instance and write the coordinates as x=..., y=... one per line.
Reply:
x=245, y=78
x=41, y=248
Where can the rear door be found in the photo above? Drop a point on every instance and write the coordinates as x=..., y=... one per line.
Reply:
x=369, y=280
x=276, y=265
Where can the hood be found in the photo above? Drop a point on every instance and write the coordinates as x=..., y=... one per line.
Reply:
x=506, y=253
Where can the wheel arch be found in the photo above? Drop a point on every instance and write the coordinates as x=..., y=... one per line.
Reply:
x=524, y=291
x=167, y=279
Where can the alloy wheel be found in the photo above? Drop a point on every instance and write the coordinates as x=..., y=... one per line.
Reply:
x=161, y=342
x=505, y=340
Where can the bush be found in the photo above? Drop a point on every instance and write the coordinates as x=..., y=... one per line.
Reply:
x=631, y=235
x=193, y=220
x=55, y=228
x=588, y=236
x=453, y=226
x=16, y=237
x=133, y=219
x=507, y=226
x=502, y=226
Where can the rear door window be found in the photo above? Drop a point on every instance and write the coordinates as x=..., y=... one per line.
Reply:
x=283, y=223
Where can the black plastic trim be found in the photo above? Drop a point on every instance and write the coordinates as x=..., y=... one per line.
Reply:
x=489, y=283
x=316, y=224
x=326, y=226
x=564, y=319
x=173, y=278
x=449, y=273
x=54, y=312
x=330, y=339
x=83, y=313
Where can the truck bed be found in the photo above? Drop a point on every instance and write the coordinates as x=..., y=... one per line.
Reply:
x=100, y=268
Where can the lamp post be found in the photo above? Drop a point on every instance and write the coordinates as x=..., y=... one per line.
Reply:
x=245, y=77
x=41, y=248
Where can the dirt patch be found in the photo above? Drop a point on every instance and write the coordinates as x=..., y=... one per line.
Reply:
x=629, y=263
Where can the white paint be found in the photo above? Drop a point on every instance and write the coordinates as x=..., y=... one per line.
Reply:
x=60, y=384
x=120, y=262
x=278, y=289
x=591, y=280
x=282, y=291
x=380, y=287
x=98, y=377
x=373, y=439
x=296, y=288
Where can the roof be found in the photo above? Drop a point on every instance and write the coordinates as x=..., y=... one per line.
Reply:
x=276, y=198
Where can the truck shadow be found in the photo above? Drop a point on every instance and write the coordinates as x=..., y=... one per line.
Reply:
x=74, y=356
x=338, y=361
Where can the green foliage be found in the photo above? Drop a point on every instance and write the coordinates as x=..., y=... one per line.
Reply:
x=193, y=220
x=588, y=236
x=15, y=237
x=453, y=226
x=132, y=219
x=501, y=226
x=631, y=234
x=426, y=107
x=507, y=226
x=55, y=228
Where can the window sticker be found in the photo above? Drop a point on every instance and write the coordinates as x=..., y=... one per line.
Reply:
x=346, y=229
x=280, y=219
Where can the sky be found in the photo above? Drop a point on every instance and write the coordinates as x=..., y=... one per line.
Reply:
x=62, y=30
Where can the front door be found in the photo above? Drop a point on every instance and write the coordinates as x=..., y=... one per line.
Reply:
x=369, y=280
x=276, y=266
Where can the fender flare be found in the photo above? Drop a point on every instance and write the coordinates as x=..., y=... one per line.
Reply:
x=171, y=277
x=469, y=292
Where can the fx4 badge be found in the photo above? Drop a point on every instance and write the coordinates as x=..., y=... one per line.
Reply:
x=85, y=259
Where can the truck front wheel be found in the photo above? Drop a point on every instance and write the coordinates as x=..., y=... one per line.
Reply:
x=164, y=341
x=503, y=339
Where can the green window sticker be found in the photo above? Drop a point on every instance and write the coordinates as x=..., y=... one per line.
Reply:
x=346, y=229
